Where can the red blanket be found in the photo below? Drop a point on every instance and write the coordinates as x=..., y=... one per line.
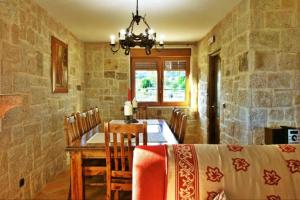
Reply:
x=149, y=173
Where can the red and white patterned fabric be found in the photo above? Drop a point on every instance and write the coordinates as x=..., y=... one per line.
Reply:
x=270, y=172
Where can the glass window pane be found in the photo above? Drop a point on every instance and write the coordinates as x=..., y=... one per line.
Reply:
x=174, y=86
x=146, y=86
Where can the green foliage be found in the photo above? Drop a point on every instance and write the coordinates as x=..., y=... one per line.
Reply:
x=146, y=83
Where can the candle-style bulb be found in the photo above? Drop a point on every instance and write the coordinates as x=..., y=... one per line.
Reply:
x=112, y=39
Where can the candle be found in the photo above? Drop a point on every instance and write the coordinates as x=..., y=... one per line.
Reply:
x=122, y=34
x=151, y=34
x=134, y=103
x=129, y=94
x=112, y=40
x=127, y=108
x=161, y=40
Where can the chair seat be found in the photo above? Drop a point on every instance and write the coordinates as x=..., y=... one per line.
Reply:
x=96, y=162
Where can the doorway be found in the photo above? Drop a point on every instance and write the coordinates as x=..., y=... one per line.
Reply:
x=214, y=91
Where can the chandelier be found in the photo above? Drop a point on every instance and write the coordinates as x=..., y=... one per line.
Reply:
x=128, y=39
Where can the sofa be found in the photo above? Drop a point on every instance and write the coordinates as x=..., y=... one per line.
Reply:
x=187, y=171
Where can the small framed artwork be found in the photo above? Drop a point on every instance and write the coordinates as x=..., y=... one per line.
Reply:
x=59, y=64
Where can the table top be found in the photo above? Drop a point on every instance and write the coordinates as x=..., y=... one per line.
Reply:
x=154, y=126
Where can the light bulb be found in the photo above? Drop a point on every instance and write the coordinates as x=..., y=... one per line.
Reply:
x=122, y=34
x=112, y=39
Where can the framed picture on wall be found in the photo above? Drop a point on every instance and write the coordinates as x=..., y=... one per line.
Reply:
x=59, y=64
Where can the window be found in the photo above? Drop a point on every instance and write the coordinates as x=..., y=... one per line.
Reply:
x=162, y=78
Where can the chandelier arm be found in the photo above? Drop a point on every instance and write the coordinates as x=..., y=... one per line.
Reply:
x=114, y=50
x=137, y=7
x=144, y=20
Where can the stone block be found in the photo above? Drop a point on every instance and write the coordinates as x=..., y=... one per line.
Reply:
x=108, y=98
x=297, y=100
x=32, y=129
x=258, y=80
x=243, y=62
x=3, y=163
x=289, y=61
x=265, y=4
x=12, y=53
x=279, y=80
x=109, y=74
x=15, y=32
x=288, y=4
x=110, y=64
x=244, y=23
x=290, y=40
x=38, y=95
x=289, y=114
x=262, y=99
x=279, y=19
x=276, y=115
x=241, y=44
x=21, y=83
x=244, y=98
x=256, y=21
x=121, y=76
x=258, y=117
x=264, y=39
x=265, y=61
x=283, y=99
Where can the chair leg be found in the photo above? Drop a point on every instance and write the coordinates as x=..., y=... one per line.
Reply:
x=116, y=195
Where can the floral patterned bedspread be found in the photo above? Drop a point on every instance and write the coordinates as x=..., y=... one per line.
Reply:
x=193, y=172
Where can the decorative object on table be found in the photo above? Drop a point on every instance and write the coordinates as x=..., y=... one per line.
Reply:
x=134, y=106
x=128, y=39
x=59, y=64
x=128, y=113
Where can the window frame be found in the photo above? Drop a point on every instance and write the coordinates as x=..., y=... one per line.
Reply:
x=161, y=56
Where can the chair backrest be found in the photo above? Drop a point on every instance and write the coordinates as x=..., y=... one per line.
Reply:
x=172, y=121
x=178, y=120
x=182, y=129
x=119, y=151
x=122, y=144
x=71, y=129
x=82, y=122
x=91, y=119
x=141, y=112
x=97, y=116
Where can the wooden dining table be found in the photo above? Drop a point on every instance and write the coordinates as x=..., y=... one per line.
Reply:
x=92, y=145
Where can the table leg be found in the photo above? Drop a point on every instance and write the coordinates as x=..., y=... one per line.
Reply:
x=77, y=192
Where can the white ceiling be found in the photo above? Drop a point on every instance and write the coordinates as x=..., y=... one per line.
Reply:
x=177, y=20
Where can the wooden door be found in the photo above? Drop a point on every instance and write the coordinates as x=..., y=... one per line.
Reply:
x=214, y=90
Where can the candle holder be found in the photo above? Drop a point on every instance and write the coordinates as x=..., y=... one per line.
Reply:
x=128, y=119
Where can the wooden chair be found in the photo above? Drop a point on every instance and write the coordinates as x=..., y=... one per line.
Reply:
x=119, y=155
x=141, y=112
x=82, y=122
x=173, y=118
x=178, y=118
x=182, y=129
x=72, y=132
x=75, y=127
x=97, y=117
x=91, y=120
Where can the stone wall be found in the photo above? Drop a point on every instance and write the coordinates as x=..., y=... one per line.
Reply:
x=259, y=47
x=275, y=65
x=231, y=38
x=107, y=78
x=32, y=139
